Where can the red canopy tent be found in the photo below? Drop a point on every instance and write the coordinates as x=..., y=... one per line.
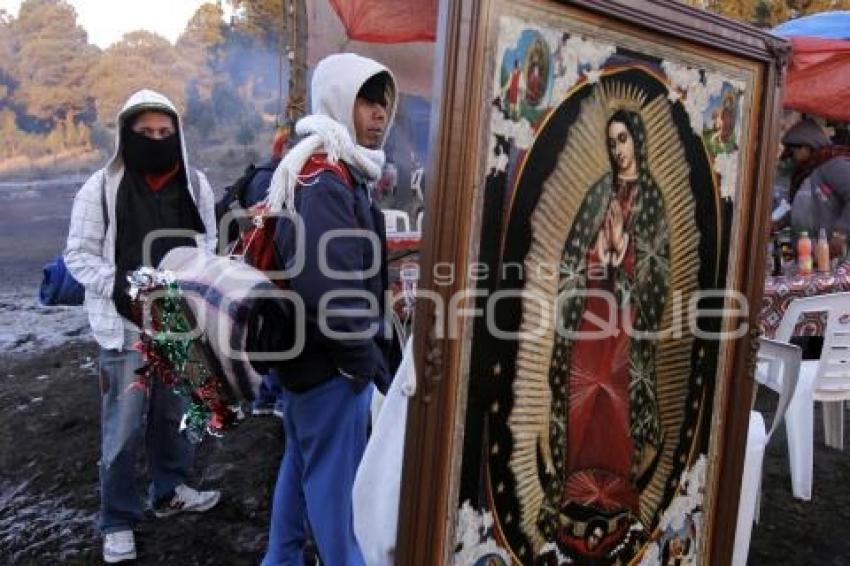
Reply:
x=818, y=80
x=398, y=33
x=388, y=21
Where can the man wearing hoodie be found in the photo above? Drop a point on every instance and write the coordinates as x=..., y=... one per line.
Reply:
x=820, y=184
x=327, y=389
x=146, y=186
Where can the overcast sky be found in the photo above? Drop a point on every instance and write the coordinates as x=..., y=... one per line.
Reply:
x=107, y=20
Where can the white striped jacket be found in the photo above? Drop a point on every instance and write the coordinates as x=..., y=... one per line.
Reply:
x=90, y=250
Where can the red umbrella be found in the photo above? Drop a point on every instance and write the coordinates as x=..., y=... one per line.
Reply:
x=818, y=80
x=412, y=62
x=388, y=21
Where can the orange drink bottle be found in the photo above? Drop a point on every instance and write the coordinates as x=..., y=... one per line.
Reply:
x=822, y=251
x=804, y=253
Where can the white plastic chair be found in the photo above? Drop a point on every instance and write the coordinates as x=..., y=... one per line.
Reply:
x=393, y=217
x=779, y=366
x=826, y=380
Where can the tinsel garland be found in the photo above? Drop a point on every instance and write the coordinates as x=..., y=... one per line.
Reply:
x=176, y=359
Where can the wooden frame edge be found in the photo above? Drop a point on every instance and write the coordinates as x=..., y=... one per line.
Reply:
x=424, y=515
x=739, y=394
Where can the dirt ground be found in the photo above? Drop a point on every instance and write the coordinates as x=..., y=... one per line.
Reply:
x=49, y=448
x=790, y=531
x=49, y=437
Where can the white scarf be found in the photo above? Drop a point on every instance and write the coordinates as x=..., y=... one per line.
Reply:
x=324, y=135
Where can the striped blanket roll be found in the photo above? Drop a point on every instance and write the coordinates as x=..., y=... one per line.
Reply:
x=229, y=299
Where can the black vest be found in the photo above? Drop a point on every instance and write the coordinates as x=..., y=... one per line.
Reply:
x=140, y=210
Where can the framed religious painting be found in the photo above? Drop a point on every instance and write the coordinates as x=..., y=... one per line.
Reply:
x=594, y=247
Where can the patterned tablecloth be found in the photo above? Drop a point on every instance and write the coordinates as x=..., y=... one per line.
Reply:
x=781, y=290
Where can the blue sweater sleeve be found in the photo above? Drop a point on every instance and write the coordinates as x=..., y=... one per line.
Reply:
x=346, y=324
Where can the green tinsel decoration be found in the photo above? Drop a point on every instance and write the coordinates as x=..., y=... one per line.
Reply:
x=188, y=377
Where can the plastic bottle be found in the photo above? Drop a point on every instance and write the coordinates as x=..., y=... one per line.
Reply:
x=769, y=264
x=776, y=270
x=804, y=253
x=786, y=251
x=822, y=251
x=841, y=237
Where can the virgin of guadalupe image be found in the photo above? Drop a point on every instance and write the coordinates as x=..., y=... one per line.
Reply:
x=619, y=252
x=592, y=476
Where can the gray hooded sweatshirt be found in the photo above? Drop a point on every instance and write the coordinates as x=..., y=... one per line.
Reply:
x=823, y=200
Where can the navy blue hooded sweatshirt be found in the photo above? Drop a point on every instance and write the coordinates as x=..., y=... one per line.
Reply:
x=351, y=342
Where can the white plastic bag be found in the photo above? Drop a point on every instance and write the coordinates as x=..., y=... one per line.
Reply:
x=377, y=487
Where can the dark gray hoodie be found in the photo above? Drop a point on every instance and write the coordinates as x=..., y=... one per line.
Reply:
x=823, y=200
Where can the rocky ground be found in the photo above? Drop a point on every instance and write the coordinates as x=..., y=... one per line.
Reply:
x=49, y=437
x=794, y=532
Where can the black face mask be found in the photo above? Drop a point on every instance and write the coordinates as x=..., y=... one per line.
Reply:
x=150, y=156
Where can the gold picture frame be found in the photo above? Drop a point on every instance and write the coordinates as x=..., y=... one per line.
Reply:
x=503, y=448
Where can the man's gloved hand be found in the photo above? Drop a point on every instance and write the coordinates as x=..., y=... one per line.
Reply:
x=120, y=296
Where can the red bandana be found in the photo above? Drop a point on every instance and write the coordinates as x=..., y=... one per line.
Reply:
x=156, y=182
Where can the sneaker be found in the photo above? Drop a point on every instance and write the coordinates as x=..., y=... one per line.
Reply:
x=119, y=546
x=189, y=500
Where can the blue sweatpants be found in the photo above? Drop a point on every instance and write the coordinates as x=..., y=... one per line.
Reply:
x=325, y=430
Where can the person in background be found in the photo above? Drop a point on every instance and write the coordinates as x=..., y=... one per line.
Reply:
x=258, y=188
x=384, y=192
x=268, y=399
x=146, y=186
x=820, y=185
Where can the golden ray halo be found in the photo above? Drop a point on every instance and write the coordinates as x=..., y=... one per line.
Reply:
x=580, y=164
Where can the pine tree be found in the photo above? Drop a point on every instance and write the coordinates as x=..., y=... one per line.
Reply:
x=768, y=13
x=83, y=136
x=806, y=7
x=8, y=133
x=55, y=142
x=70, y=134
x=200, y=45
x=50, y=58
x=140, y=60
x=262, y=19
x=5, y=56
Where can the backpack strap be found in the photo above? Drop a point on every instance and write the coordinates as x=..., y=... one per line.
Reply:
x=240, y=186
x=319, y=163
x=235, y=194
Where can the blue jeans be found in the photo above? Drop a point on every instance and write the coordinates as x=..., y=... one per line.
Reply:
x=325, y=430
x=129, y=414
